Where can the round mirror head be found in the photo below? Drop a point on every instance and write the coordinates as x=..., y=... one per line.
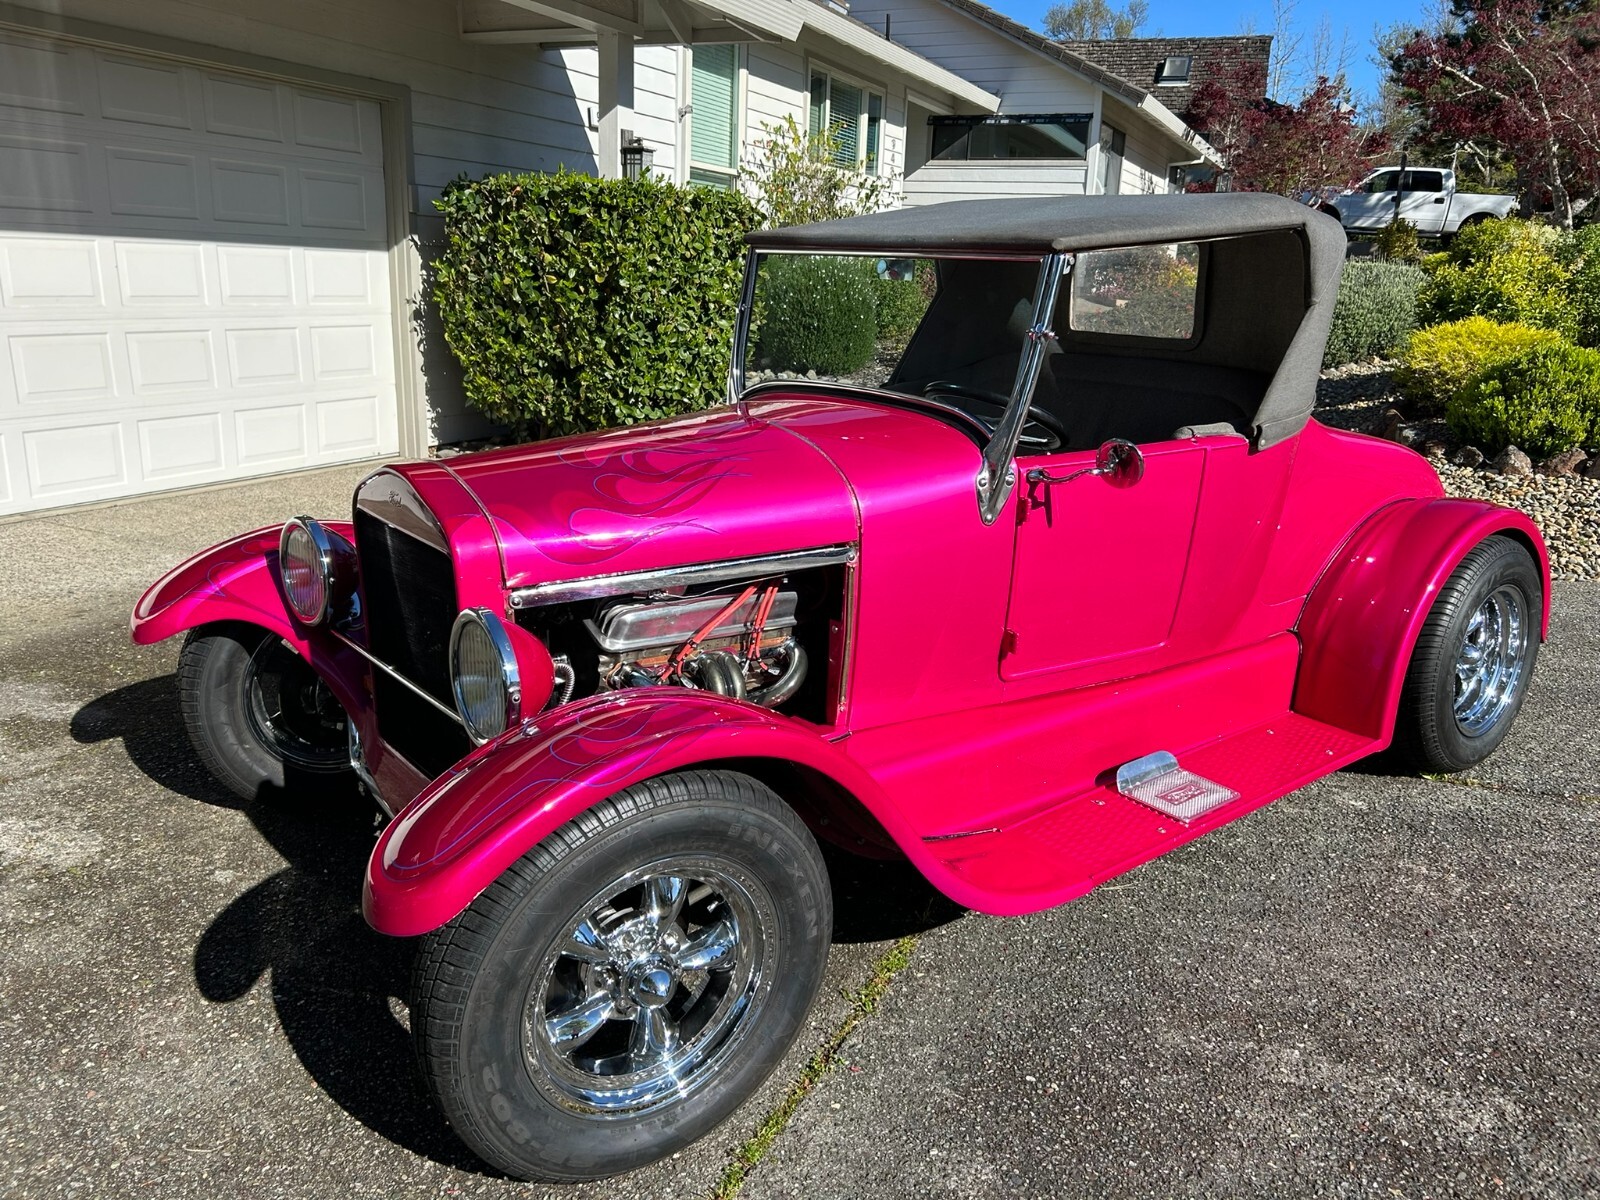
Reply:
x=1119, y=462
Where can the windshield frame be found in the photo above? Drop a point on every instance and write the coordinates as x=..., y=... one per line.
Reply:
x=998, y=475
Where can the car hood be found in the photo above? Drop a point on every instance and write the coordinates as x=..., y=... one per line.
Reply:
x=708, y=486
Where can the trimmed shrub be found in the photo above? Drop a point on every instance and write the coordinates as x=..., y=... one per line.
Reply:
x=1397, y=242
x=575, y=303
x=1545, y=400
x=1442, y=360
x=1376, y=309
x=1506, y=270
x=819, y=314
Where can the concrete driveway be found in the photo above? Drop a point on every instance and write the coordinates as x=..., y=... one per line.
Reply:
x=1378, y=986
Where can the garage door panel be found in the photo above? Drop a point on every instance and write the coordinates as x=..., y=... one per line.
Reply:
x=76, y=461
x=194, y=276
x=173, y=449
x=40, y=75
x=143, y=91
x=50, y=273
x=271, y=435
x=161, y=274
x=41, y=173
x=52, y=369
x=5, y=470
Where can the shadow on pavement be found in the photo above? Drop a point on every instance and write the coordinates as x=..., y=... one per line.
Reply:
x=332, y=977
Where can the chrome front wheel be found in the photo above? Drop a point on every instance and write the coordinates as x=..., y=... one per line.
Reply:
x=1491, y=661
x=628, y=982
x=647, y=991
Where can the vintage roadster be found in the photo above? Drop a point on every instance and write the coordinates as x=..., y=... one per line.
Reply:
x=1069, y=578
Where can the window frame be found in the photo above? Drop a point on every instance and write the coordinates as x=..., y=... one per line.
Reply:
x=724, y=176
x=938, y=121
x=865, y=164
x=1163, y=79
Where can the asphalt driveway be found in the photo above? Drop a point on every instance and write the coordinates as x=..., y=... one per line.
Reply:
x=1378, y=986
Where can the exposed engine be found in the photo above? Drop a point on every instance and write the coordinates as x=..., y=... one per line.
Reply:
x=734, y=644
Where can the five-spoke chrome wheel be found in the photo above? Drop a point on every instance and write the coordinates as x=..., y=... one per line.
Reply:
x=1491, y=661
x=1473, y=658
x=646, y=989
x=628, y=982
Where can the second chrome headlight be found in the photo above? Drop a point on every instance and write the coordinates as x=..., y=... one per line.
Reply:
x=483, y=674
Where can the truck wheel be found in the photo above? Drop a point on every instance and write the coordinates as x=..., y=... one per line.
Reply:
x=259, y=717
x=1473, y=660
x=627, y=983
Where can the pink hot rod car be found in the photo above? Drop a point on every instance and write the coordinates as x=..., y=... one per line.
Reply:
x=1061, y=581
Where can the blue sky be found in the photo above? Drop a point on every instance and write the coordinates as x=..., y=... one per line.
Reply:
x=1174, y=18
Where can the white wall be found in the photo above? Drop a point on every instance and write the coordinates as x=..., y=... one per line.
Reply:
x=936, y=182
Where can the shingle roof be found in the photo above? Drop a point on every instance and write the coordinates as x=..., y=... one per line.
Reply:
x=1139, y=59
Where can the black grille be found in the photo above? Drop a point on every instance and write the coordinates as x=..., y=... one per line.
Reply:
x=409, y=596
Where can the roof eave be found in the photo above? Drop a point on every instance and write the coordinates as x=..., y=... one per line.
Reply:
x=865, y=40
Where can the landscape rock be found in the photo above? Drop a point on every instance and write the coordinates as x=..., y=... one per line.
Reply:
x=1512, y=461
x=1565, y=463
x=1433, y=447
x=1591, y=466
x=1394, y=424
x=1468, y=456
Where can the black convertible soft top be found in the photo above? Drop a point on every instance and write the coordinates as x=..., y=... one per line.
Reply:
x=1272, y=265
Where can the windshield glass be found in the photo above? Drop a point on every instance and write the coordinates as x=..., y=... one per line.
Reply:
x=895, y=324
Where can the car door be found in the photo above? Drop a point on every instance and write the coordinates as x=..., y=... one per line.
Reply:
x=1423, y=201
x=1099, y=562
x=1373, y=206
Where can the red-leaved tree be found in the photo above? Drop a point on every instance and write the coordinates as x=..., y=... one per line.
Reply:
x=1525, y=74
x=1292, y=149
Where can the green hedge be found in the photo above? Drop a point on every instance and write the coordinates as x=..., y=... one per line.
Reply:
x=1509, y=271
x=818, y=314
x=575, y=303
x=1442, y=361
x=1376, y=309
x=1544, y=401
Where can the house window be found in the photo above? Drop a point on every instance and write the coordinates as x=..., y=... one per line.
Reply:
x=713, y=125
x=852, y=116
x=1043, y=135
x=1174, y=70
x=1113, y=145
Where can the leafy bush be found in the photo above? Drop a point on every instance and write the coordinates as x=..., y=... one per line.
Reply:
x=1441, y=361
x=820, y=314
x=795, y=180
x=1506, y=270
x=1397, y=242
x=1583, y=285
x=901, y=303
x=575, y=303
x=1544, y=400
x=1376, y=309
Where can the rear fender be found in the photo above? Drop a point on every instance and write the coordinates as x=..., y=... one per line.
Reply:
x=464, y=830
x=1362, y=619
x=237, y=581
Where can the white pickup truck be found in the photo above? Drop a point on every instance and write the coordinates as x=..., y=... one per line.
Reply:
x=1428, y=199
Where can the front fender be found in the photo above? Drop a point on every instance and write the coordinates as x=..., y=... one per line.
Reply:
x=1363, y=618
x=462, y=832
x=238, y=581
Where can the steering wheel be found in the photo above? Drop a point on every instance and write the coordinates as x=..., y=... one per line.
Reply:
x=1054, y=434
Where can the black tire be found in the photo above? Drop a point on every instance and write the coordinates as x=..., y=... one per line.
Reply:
x=1446, y=724
x=536, y=1111
x=260, y=719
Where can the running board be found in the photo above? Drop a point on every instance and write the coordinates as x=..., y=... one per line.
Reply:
x=1157, y=781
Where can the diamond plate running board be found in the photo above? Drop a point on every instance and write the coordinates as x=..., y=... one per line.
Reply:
x=1157, y=781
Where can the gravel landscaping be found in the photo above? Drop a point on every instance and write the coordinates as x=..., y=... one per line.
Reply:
x=1363, y=397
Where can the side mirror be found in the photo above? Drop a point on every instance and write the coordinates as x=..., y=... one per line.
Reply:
x=1119, y=462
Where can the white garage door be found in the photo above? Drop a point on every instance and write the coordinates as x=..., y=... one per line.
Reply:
x=194, y=281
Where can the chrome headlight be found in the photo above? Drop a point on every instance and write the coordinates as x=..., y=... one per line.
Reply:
x=307, y=565
x=484, y=675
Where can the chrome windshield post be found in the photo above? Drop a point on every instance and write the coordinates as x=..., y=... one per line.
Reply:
x=998, y=476
x=741, y=329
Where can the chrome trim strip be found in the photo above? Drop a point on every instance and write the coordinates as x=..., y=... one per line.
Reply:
x=950, y=837
x=999, y=476
x=595, y=587
x=741, y=329
x=393, y=674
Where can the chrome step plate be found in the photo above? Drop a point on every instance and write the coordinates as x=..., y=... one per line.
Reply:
x=1156, y=780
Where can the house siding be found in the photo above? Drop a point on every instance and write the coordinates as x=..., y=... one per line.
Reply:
x=938, y=182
